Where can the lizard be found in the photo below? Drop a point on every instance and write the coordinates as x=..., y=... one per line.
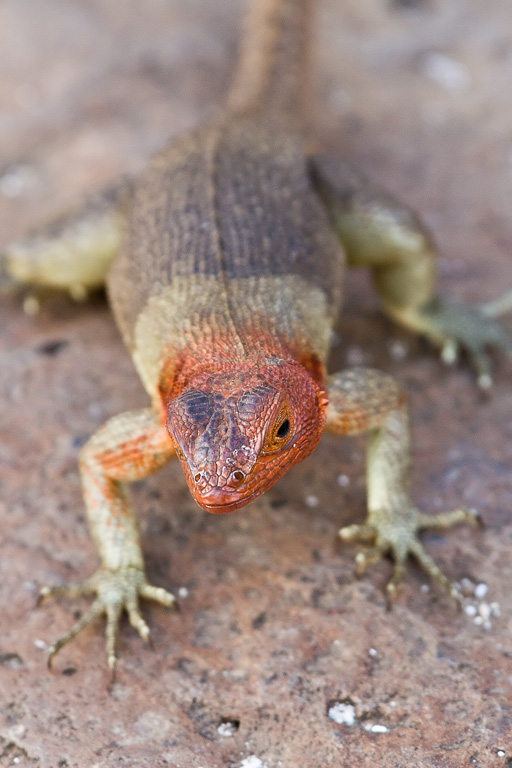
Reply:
x=224, y=263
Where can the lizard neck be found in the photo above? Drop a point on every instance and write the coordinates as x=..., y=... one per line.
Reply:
x=254, y=353
x=272, y=73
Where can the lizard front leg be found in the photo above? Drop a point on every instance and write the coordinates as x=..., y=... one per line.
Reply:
x=129, y=447
x=379, y=232
x=365, y=400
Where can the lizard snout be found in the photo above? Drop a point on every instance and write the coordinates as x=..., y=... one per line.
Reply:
x=206, y=481
x=236, y=478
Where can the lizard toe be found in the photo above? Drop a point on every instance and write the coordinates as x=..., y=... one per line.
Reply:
x=398, y=537
x=116, y=591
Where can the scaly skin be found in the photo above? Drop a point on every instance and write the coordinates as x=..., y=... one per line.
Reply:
x=225, y=289
x=239, y=426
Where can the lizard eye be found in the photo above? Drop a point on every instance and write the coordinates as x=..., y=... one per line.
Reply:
x=283, y=429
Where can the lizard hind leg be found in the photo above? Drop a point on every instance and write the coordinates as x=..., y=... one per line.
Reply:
x=71, y=252
x=364, y=400
x=379, y=232
x=455, y=326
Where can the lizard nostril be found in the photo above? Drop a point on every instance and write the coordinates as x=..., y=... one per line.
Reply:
x=198, y=477
x=236, y=478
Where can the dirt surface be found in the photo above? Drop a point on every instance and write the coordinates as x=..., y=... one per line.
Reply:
x=276, y=642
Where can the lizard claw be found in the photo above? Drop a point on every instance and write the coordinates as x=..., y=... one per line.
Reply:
x=116, y=591
x=399, y=537
x=460, y=326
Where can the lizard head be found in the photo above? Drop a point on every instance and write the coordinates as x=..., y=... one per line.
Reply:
x=238, y=431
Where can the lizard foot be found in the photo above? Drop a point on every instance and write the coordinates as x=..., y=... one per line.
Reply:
x=115, y=591
x=398, y=536
x=460, y=326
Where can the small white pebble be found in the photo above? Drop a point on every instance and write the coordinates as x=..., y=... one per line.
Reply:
x=40, y=644
x=501, y=753
x=478, y=620
x=393, y=704
x=398, y=350
x=17, y=180
x=16, y=760
x=495, y=609
x=481, y=590
x=373, y=652
x=252, y=762
x=484, y=609
x=377, y=728
x=344, y=714
x=183, y=592
x=235, y=674
x=226, y=729
x=450, y=74
x=487, y=625
x=312, y=501
x=425, y=588
x=343, y=480
x=484, y=381
x=470, y=610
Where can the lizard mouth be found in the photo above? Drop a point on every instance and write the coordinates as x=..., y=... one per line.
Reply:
x=219, y=502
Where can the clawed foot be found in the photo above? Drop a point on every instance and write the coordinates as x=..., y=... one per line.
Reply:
x=115, y=591
x=387, y=535
x=459, y=326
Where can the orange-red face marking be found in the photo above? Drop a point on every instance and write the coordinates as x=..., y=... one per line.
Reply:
x=237, y=430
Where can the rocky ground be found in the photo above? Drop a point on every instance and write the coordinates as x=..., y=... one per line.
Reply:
x=279, y=657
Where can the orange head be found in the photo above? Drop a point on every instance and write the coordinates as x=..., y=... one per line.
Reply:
x=239, y=429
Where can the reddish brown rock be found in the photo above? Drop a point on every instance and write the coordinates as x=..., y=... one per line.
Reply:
x=279, y=657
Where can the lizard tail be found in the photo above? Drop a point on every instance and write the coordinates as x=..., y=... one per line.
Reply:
x=273, y=69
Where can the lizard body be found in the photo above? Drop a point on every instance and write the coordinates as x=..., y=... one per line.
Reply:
x=229, y=279
x=226, y=286
x=237, y=242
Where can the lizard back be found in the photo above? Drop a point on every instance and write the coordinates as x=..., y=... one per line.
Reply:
x=225, y=228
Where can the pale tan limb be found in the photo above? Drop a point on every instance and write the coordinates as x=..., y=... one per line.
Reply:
x=73, y=251
x=129, y=447
x=364, y=400
x=379, y=232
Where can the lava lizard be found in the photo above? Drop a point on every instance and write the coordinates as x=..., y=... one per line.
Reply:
x=224, y=264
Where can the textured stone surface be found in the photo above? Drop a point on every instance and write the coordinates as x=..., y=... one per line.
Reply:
x=274, y=630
